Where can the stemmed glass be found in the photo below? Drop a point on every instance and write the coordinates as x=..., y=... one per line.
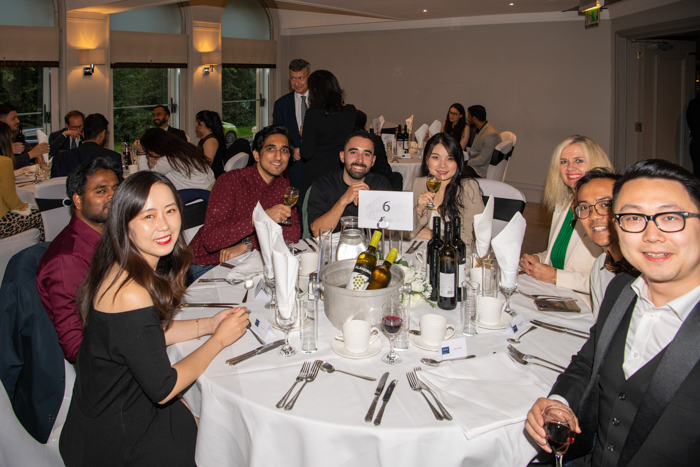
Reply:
x=557, y=427
x=270, y=284
x=392, y=325
x=291, y=196
x=433, y=183
x=508, y=291
x=286, y=323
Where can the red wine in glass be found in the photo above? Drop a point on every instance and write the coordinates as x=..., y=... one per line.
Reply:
x=391, y=324
x=559, y=437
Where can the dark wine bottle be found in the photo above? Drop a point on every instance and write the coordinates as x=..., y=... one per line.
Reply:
x=447, y=298
x=434, y=246
x=461, y=248
x=20, y=138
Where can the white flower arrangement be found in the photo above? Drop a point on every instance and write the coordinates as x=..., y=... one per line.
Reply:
x=420, y=287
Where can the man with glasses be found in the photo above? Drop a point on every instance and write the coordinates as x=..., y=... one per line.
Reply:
x=594, y=193
x=634, y=385
x=69, y=137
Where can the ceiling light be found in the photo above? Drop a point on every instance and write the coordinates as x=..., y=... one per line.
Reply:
x=511, y=4
x=425, y=11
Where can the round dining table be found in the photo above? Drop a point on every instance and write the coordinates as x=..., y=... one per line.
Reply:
x=488, y=396
x=409, y=168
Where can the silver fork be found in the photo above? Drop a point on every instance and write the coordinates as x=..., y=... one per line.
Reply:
x=522, y=361
x=445, y=413
x=412, y=381
x=309, y=378
x=525, y=356
x=302, y=375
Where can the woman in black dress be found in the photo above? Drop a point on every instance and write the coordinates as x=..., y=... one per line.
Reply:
x=327, y=125
x=125, y=409
x=455, y=124
x=210, y=130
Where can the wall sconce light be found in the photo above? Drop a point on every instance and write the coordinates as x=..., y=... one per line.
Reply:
x=209, y=59
x=88, y=58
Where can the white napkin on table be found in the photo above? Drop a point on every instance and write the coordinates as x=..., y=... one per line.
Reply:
x=286, y=274
x=435, y=127
x=420, y=134
x=409, y=124
x=485, y=393
x=506, y=246
x=378, y=124
x=42, y=137
x=267, y=232
x=482, y=228
x=247, y=265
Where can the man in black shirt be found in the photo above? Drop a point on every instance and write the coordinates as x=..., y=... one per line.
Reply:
x=336, y=194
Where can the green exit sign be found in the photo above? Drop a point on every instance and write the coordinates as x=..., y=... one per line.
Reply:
x=592, y=16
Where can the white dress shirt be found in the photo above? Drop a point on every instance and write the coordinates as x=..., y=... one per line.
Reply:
x=297, y=106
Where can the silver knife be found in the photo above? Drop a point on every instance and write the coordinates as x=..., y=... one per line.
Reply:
x=563, y=331
x=226, y=265
x=208, y=305
x=309, y=244
x=260, y=350
x=377, y=393
x=385, y=400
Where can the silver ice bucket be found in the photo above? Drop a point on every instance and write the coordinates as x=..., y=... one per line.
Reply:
x=342, y=305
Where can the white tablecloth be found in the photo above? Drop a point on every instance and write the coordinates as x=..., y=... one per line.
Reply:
x=239, y=424
x=409, y=169
x=25, y=186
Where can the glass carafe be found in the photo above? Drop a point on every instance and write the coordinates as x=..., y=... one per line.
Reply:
x=352, y=239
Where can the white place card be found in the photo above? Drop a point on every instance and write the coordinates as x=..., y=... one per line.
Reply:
x=260, y=287
x=396, y=207
x=516, y=327
x=261, y=326
x=453, y=348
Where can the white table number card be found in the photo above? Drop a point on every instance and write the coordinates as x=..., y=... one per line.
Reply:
x=260, y=326
x=453, y=348
x=396, y=207
x=516, y=327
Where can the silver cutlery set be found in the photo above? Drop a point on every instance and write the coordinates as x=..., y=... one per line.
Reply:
x=417, y=385
x=414, y=246
x=561, y=329
x=524, y=359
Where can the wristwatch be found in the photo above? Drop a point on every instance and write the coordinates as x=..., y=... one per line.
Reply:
x=248, y=244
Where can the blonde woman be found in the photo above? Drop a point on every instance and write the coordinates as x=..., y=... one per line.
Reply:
x=570, y=254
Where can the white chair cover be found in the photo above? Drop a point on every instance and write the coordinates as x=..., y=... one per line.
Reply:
x=14, y=244
x=236, y=162
x=508, y=200
x=508, y=136
x=499, y=161
x=57, y=218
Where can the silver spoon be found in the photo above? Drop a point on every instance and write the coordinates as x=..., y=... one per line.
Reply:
x=517, y=341
x=248, y=285
x=431, y=362
x=415, y=332
x=328, y=368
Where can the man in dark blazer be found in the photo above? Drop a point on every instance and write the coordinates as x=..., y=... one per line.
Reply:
x=635, y=384
x=161, y=117
x=69, y=137
x=289, y=111
x=95, y=134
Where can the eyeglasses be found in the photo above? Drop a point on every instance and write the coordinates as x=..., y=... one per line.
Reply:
x=455, y=114
x=583, y=211
x=668, y=222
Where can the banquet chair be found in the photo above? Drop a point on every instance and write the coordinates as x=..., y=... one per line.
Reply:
x=499, y=161
x=509, y=136
x=238, y=161
x=507, y=201
x=11, y=245
x=194, y=211
x=54, y=206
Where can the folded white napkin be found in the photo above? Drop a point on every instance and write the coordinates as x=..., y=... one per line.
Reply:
x=409, y=124
x=41, y=137
x=267, y=232
x=506, y=246
x=482, y=229
x=286, y=274
x=420, y=134
x=247, y=265
x=485, y=393
x=435, y=127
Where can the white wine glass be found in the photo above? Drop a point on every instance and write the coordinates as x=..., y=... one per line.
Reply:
x=291, y=196
x=558, y=432
x=432, y=182
x=286, y=321
x=270, y=284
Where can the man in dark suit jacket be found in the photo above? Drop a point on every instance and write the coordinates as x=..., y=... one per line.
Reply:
x=69, y=137
x=289, y=111
x=635, y=385
x=161, y=116
x=96, y=134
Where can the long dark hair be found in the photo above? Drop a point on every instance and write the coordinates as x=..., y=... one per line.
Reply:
x=182, y=156
x=451, y=205
x=325, y=92
x=212, y=121
x=165, y=285
x=6, y=141
x=458, y=128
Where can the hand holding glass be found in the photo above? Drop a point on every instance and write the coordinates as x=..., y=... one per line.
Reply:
x=558, y=432
x=291, y=196
x=433, y=183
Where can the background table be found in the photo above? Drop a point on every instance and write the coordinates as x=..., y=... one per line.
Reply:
x=239, y=424
x=409, y=169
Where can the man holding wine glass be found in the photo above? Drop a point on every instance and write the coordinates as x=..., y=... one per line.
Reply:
x=228, y=229
x=633, y=386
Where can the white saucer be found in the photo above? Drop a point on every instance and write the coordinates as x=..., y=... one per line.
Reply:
x=273, y=323
x=418, y=342
x=374, y=348
x=505, y=319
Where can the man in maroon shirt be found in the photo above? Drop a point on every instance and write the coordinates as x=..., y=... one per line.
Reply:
x=228, y=229
x=67, y=260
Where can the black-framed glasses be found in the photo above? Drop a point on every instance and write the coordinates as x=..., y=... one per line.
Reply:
x=668, y=222
x=601, y=207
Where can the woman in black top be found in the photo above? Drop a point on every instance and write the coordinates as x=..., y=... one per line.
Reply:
x=455, y=124
x=124, y=409
x=209, y=129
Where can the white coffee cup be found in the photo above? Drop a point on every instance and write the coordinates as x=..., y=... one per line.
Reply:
x=490, y=309
x=358, y=335
x=308, y=262
x=433, y=329
x=133, y=168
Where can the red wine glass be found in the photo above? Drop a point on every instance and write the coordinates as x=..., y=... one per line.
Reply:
x=392, y=325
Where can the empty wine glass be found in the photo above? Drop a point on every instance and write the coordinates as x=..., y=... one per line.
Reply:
x=286, y=319
x=391, y=325
x=508, y=278
x=557, y=427
x=270, y=284
x=291, y=196
x=433, y=183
